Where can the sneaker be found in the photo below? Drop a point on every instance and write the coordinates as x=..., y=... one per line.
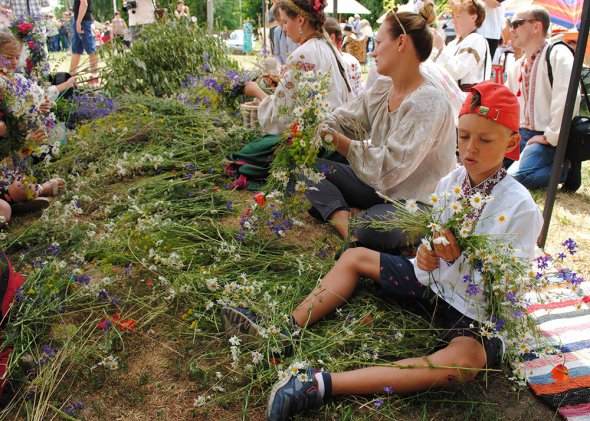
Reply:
x=246, y=325
x=292, y=395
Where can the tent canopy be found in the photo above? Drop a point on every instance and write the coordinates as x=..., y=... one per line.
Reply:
x=347, y=7
x=566, y=13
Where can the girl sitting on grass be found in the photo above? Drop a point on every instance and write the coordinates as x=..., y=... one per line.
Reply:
x=488, y=128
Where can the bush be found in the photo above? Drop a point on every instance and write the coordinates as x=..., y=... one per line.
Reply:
x=159, y=62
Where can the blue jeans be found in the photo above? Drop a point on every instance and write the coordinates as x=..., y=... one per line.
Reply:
x=85, y=41
x=533, y=170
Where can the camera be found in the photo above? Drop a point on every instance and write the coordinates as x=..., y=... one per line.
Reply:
x=129, y=4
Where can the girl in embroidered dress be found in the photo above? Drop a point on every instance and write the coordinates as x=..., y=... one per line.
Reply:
x=19, y=195
x=467, y=58
x=409, y=120
x=303, y=22
x=488, y=128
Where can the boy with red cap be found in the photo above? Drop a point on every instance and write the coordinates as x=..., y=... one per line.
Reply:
x=488, y=129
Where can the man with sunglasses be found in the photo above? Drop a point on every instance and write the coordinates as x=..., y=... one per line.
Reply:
x=541, y=102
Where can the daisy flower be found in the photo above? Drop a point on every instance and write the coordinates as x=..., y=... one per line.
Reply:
x=411, y=206
x=501, y=218
x=455, y=207
x=434, y=200
x=303, y=377
x=476, y=201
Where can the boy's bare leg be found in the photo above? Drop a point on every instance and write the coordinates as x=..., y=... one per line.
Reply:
x=338, y=285
x=420, y=373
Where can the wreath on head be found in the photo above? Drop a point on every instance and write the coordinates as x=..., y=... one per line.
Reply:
x=31, y=33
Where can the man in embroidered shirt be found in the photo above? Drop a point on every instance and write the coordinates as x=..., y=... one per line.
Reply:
x=541, y=102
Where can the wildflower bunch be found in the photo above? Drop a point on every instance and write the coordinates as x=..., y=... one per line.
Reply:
x=214, y=90
x=295, y=157
x=497, y=276
x=22, y=115
x=31, y=33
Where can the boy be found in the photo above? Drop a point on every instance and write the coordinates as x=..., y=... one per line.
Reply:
x=488, y=129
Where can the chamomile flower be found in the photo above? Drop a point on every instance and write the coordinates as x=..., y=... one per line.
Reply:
x=235, y=341
x=476, y=201
x=456, y=189
x=283, y=375
x=212, y=284
x=303, y=377
x=455, y=207
x=501, y=218
x=434, y=200
x=411, y=206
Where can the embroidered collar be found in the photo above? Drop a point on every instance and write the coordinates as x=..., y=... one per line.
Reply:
x=486, y=186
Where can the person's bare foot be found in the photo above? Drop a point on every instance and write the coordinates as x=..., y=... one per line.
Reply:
x=52, y=187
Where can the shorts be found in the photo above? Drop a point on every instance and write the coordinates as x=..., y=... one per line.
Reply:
x=85, y=41
x=398, y=280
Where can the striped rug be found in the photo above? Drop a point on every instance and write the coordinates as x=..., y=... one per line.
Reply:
x=563, y=380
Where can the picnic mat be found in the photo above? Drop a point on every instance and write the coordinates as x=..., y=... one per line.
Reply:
x=563, y=380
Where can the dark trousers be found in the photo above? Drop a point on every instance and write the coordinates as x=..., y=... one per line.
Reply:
x=342, y=190
x=493, y=43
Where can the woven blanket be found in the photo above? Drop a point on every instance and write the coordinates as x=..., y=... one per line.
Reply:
x=563, y=380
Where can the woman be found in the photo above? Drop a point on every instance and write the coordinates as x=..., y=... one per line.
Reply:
x=409, y=121
x=303, y=23
x=353, y=67
x=467, y=58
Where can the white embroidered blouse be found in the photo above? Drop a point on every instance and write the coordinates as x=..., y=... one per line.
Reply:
x=468, y=61
x=403, y=153
x=520, y=229
x=314, y=55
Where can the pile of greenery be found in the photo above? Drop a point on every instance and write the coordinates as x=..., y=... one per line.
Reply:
x=160, y=60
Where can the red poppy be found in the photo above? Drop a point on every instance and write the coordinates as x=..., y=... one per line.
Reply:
x=295, y=128
x=149, y=283
x=560, y=373
x=259, y=199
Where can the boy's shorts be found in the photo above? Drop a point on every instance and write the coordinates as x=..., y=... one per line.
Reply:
x=83, y=42
x=398, y=279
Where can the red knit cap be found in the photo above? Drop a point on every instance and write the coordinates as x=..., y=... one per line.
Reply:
x=497, y=104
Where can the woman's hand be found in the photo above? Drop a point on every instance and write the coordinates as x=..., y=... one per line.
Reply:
x=426, y=259
x=271, y=80
x=252, y=89
x=446, y=247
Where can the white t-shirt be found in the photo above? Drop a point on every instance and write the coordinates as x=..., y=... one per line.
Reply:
x=493, y=23
x=521, y=229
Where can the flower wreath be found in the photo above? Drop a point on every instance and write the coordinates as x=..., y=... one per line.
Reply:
x=30, y=32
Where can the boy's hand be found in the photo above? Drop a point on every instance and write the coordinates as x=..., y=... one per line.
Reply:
x=446, y=247
x=426, y=259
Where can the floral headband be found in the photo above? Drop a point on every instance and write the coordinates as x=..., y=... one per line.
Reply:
x=316, y=5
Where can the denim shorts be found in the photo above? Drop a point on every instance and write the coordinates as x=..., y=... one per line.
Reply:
x=85, y=41
x=398, y=280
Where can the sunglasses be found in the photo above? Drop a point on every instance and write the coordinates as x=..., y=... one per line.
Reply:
x=517, y=22
x=393, y=12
